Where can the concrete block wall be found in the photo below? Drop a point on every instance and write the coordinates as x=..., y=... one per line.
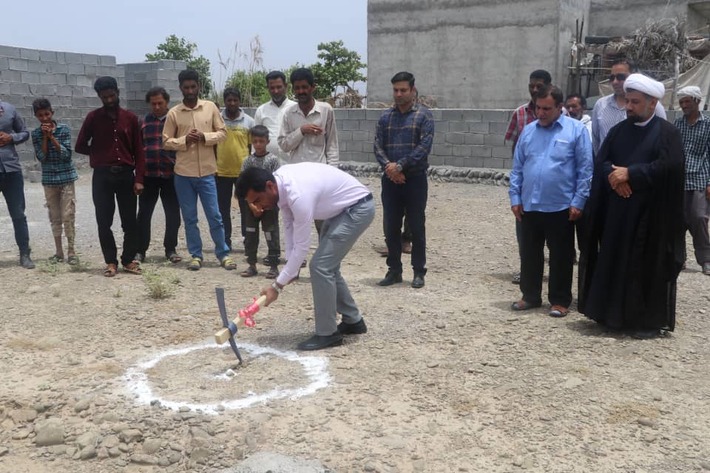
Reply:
x=67, y=80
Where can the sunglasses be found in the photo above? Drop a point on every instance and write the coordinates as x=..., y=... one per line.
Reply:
x=619, y=77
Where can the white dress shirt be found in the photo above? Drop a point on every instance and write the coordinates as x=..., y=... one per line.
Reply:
x=270, y=115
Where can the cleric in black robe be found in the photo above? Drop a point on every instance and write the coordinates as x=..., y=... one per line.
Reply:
x=633, y=249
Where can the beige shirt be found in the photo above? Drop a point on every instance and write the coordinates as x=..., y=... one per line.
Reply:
x=196, y=159
x=321, y=148
x=270, y=115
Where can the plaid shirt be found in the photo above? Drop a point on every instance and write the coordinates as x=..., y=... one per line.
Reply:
x=696, y=143
x=405, y=139
x=158, y=162
x=522, y=116
x=57, y=166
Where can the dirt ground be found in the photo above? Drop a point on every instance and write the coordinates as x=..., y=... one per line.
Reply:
x=447, y=379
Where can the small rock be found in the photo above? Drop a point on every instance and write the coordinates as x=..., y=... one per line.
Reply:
x=87, y=439
x=88, y=453
x=4, y=451
x=114, y=452
x=705, y=465
x=110, y=441
x=151, y=446
x=23, y=416
x=49, y=432
x=645, y=421
x=21, y=434
x=142, y=459
x=82, y=405
x=174, y=457
x=200, y=455
x=130, y=435
x=102, y=453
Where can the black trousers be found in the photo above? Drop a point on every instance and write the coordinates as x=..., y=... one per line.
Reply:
x=398, y=199
x=154, y=187
x=110, y=186
x=269, y=225
x=555, y=229
x=225, y=190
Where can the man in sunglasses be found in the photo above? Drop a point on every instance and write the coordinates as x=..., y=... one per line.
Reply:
x=610, y=110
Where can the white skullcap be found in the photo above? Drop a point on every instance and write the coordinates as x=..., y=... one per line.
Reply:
x=644, y=84
x=690, y=91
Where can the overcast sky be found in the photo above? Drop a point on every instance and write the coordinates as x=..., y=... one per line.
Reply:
x=128, y=29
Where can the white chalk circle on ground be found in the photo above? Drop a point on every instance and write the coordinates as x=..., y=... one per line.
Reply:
x=314, y=367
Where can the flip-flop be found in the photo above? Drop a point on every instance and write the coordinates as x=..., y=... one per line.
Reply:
x=134, y=267
x=174, y=258
x=72, y=260
x=249, y=272
x=110, y=270
x=54, y=259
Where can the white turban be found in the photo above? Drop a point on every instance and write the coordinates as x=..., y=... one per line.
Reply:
x=644, y=84
x=692, y=91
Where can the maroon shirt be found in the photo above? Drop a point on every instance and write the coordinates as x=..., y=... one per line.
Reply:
x=110, y=142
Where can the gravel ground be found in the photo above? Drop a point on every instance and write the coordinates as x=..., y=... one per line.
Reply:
x=447, y=379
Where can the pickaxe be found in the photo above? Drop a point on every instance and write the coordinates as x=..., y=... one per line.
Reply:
x=246, y=317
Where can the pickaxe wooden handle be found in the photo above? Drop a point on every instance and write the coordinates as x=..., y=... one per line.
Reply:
x=245, y=314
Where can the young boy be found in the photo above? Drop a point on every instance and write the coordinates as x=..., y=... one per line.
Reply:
x=52, y=144
x=252, y=215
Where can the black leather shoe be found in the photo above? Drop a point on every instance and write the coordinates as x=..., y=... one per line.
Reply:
x=645, y=334
x=26, y=262
x=352, y=329
x=390, y=278
x=418, y=281
x=318, y=342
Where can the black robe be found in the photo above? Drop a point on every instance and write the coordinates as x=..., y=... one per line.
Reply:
x=632, y=250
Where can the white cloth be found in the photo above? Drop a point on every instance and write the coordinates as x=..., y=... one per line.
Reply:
x=587, y=122
x=690, y=91
x=644, y=84
x=321, y=148
x=270, y=115
x=308, y=192
x=606, y=114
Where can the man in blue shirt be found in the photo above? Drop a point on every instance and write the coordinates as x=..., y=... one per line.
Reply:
x=549, y=185
x=403, y=142
x=13, y=132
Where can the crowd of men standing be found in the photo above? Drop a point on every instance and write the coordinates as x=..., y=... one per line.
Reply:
x=628, y=183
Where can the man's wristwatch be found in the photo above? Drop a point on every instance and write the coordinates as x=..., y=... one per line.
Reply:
x=276, y=287
x=398, y=167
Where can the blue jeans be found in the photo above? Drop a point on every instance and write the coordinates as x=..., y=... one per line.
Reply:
x=330, y=291
x=188, y=189
x=12, y=187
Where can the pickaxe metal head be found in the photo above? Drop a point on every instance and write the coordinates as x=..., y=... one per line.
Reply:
x=230, y=326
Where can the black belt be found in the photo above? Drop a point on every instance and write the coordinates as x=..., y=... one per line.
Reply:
x=367, y=198
x=119, y=169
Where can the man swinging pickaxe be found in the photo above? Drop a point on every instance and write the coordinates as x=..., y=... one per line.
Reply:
x=246, y=317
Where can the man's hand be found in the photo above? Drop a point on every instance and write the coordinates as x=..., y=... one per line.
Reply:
x=574, y=214
x=623, y=190
x=47, y=129
x=393, y=174
x=618, y=176
x=137, y=188
x=311, y=129
x=256, y=211
x=271, y=295
x=518, y=212
x=5, y=139
x=194, y=136
x=707, y=192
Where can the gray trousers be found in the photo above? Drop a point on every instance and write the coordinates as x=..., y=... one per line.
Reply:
x=697, y=213
x=330, y=291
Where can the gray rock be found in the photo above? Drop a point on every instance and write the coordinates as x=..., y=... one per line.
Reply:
x=110, y=441
x=262, y=462
x=82, y=405
x=151, y=446
x=23, y=416
x=88, y=439
x=200, y=455
x=130, y=435
x=102, y=453
x=645, y=421
x=4, y=451
x=143, y=459
x=49, y=432
x=174, y=457
x=88, y=453
x=114, y=452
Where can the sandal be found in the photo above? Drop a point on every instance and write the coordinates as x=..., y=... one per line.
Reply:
x=273, y=273
x=174, y=257
x=56, y=259
x=249, y=272
x=111, y=270
x=195, y=264
x=228, y=263
x=73, y=260
x=134, y=267
x=558, y=311
x=523, y=305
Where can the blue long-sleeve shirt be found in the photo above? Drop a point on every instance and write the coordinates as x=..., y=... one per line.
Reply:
x=405, y=139
x=11, y=123
x=552, y=167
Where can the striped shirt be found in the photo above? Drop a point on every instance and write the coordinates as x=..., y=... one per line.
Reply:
x=522, y=116
x=159, y=162
x=405, y=138
x=606, y=114
x=269, y=161
x=57, y=166
x=696, y=143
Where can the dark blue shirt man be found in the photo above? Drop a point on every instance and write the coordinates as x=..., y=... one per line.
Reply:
x=403, y=141
x=14, y=132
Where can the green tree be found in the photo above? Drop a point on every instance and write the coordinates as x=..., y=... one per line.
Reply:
x=180, y=49
x=338, y=67
x=252, y=86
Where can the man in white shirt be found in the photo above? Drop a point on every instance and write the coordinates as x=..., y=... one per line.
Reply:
x=270, y=113
x=304, y=192
x=576, y=105
x=308, y=131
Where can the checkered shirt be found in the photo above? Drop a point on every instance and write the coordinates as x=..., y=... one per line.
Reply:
x=523, y=115
x=696, y=142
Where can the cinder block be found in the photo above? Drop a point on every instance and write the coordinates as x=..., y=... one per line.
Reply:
x=456, y=161
x=368, y=125
x=494, y=163
x=48, y=56
x=343, y=136
x=458, y=126
x=55, y=67
x=436, y=160
x=498, y=128
x=443, y=149
x=18, y=88
x=473, y=162
x=474, y=139
x=455, y=138
x=472, y=115
x=482, y=151
x=90, y=70
x=494, y=140
x=5, y=63
x=4, y=88
x=373, y=114
x=107, y=60
x=360, y=136
x=496, y=116
x=45, y=90
x=10, y=51
x=84, y=81
x=19, y=65
x=61, y=57
x=91, y=59
x=36, y=66
x=501, y=152
x=436, y=114
x=64, y=91
x=463, y=150
x=78, y=69
x=478, y=127
x=31, y=54
x=452, y=115
x=351, y=125
x=6, y=75
x=73, y=58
